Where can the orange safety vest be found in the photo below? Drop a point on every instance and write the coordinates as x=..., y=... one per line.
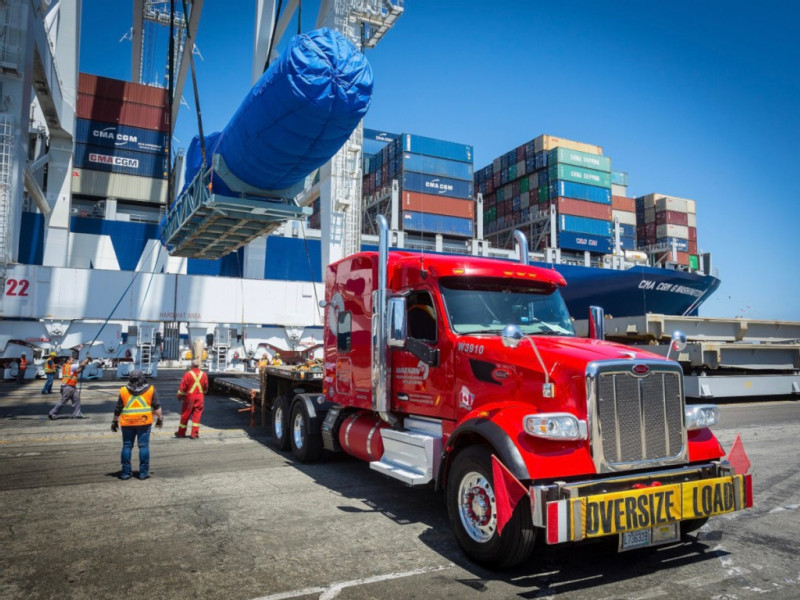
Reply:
x=136, y=410
x=68, y=378
x=49, y=366
x=197, y=386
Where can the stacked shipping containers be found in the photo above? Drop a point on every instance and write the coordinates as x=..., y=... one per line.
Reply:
x=435, y=178
x=574, y=177
x=666, y=222
x=623, y=210
x=120, y=140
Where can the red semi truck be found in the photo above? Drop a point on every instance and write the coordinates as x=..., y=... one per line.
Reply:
x=464, y=373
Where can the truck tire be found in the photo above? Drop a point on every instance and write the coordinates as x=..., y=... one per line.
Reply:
x=473, y=514
x=306, y=444
x=279, y=421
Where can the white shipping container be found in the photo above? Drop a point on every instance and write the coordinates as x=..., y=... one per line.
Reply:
x=619, y=190
x=525, y=199
x=674, y=204
x=691, y=207
x=650, y=214
x=101, y=184
x=533, y=180
x=521, y=168
x=496, y=165
x=676, y=231
x=548, y=142
x=625, y=217
x=508, y=192
x=692, y=219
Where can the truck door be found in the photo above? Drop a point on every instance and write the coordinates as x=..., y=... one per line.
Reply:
x=422, y=379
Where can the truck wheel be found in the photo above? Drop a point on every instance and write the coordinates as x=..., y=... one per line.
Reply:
x=280, y=423
x=306, y=444
x=473, y=514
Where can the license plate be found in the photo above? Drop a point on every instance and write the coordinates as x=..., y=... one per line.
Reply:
x=644, y=538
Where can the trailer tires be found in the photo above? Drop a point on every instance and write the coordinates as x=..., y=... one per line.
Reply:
x=279, y=420
x=473, y=514
x=306, y=444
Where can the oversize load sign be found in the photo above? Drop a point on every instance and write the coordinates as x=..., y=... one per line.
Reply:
x=619, y=512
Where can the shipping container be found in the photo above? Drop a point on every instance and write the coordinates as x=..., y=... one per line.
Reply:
x=435, y=184
x=671, y=217
x=627, y=243
x=579, y=191
x=618, y=190
x=681, y=244
x=438, y=205
x=579, y=175
x=692, y=247
x=675, y=231
x=663, y=202
x=584, y=225
x=418, y=144
x=114, y=160
x=691, y=219
x=625, y=217
x=626, y=230
x=692, y=234
x=107, y=110
x=116, y=89
x=419, y=163
x=623, y=203
x=583, y=208
x=569, y=240
x=619, y=178
x=99, y=184
x=682, y=258
x=580, y=159
x=120, y=136
x=548, y=142
x=430, y=223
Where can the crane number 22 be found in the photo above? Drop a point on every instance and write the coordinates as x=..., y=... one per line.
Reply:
x=17, y=287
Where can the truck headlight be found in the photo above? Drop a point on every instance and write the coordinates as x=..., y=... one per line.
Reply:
x=556, y=426
x=700, y=416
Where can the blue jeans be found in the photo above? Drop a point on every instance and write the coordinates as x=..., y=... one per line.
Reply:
x=48, y=385
x=129, y=435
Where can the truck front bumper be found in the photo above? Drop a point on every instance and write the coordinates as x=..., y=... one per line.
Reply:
x=575, y=511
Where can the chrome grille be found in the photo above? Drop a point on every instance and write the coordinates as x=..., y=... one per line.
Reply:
x=637, y=420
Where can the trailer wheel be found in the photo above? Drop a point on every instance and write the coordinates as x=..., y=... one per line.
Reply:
x=473, y=514
x=306, y=444
x=280, y=423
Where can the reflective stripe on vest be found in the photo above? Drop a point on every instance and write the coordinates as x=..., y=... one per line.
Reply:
x=49, y=366
x=196, y=386
x=136, y=409
x=68, y=378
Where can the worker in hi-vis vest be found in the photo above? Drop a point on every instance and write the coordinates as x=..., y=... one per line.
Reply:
x=50, y=369
x=193, y=388
x=136, y=405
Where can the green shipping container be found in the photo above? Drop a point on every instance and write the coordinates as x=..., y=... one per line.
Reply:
x=694, y=263
x=512, y=172
x=524, y=184
x=564, y=172
x=544, y=193
x=500, y=195
x=579, y=159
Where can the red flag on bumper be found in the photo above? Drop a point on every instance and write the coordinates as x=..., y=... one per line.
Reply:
x=737, y=456
x=508, y=491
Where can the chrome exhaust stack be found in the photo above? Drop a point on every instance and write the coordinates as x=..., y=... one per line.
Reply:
x=522, y=244
x=380, y=329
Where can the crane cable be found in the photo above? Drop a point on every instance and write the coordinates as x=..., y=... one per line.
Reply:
x=194, y=90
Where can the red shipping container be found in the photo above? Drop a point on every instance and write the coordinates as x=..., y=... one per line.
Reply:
x=521, y=153
x=692, y=247
x=583, y=208
x=111, y=111
x=438, y=205
x=496, y=181
x=682, y=258
x=116, y=89
x=515, y=191
x=692, y=234
x=671, y=217
x=623, y=203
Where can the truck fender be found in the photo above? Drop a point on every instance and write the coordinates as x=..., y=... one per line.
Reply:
x=502, y=445
x=316, y=405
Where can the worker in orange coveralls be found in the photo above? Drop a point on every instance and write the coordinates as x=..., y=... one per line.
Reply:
x=193, y=388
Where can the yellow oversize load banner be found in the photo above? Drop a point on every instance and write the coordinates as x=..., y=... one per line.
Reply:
x=618, y=512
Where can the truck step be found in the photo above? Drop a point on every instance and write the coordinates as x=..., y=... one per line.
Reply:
x=411, y=456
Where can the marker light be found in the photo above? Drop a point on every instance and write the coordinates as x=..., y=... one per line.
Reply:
x=556, y=426
x=700, y=416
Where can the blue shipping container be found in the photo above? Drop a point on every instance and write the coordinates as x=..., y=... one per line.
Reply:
x=627, y=242
x=569, y=240
x=430, y=223
x=584, y=225
x=580, y=191
x=433, y=184
x=437, y=166
x=619, y=178
x=114, y=160
x=627, y=230
x=439, y=148
x=681, y=244
x=120, y=136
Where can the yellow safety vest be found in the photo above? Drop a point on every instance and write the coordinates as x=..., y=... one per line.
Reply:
x=197, y=386
x=49, y=366
x=68, y=378
x=138, y=409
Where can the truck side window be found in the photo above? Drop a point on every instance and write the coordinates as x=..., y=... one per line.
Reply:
x=343, y=330
x=421, y=317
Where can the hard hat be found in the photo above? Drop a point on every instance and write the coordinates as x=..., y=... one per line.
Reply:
x=277, y=354
x=53, y=354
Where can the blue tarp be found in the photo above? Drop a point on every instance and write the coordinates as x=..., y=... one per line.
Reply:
x=296, y=116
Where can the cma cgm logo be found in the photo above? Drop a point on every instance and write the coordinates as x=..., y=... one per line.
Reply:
x=439, y=186
x=110, y=133
x=116, y=161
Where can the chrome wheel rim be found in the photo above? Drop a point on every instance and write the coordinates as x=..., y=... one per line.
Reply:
x=477, y=507
x=297, y=431
x=277, y=422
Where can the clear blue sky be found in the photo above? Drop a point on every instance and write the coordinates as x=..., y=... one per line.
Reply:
x=693, y=99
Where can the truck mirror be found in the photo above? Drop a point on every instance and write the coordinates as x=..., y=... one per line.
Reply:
x=597, y=327
x=511, y=336
x=397, y=322
x=677, y=343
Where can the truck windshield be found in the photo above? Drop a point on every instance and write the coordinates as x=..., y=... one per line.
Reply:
x=487, y=305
